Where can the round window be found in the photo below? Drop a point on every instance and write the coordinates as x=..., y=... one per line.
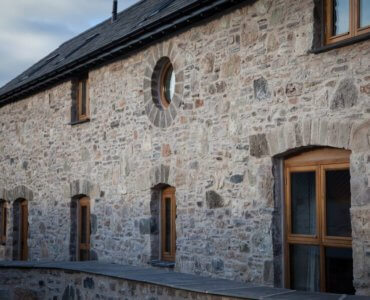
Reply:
x=167, y=84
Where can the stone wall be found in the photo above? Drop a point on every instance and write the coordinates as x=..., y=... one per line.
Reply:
x=248, y=90
x=69, y=285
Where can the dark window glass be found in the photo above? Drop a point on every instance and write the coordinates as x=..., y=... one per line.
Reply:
x=4, y=220
x=83, y=224
x=340, y=16
x=339, y=266
x=169, y=84
x=338, y=203
x=305, y=267
x=168, y=225
x=364, y=13
x=83, y=98
x=303, y=199
x=84, y=254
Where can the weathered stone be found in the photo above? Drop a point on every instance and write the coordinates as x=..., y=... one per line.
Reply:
x=237, y=178
x=345, y=96
x=145, y=226
x=214, y=200
x=258, y=145
x=261, y=89
x=217, y=264
x=89, y=283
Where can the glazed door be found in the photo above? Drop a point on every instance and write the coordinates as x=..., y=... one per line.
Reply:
x=23, y=230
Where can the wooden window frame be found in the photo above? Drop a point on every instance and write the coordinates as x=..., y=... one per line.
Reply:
x=354, y=22
x=4, y=220
x=23, y=232
x=318, y=161
x=84, y=202
x=168, y=256
x=80, y=116
x=164, y=100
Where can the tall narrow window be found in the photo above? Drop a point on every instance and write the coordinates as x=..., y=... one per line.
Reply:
x=168, y=224
x=84, y=229
x=83, y=100
x=3, y=221
x=346, y=19
x=318, y=225
x=23, y=222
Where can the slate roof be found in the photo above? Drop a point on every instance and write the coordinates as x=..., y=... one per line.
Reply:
x=141, y=18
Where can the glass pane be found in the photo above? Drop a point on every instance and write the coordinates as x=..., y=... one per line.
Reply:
x=83, y=98
x=169, y=84
x=305, y=267
x=4, y=220
x=168, y=225
x=84, y=255
x=339, y=266
x=338, y=203
x=340, y=16
x=83, y=224
x=364, y=13
x=303, y=203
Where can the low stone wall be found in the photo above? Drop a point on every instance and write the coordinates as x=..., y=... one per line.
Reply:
x=35, y=284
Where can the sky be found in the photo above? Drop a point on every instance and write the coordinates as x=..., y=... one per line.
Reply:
x=31, y=29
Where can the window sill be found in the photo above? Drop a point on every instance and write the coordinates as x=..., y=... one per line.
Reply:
x=79, y=122
x=162, y=264
x=341, y=44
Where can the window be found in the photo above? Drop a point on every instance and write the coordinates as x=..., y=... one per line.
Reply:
x=168, y=224
x=346, y=19
x=318, y=224
x=167, y=84
x=84, y=229
x=3, y=221
x=81, y=103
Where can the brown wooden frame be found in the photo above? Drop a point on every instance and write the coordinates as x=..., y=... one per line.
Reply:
x=354, y=22
x=168, y=193
x=319, y=161
x=164, y=100
x=3, y=220
x=83, y=202
x=80, y=116
x=23, y=222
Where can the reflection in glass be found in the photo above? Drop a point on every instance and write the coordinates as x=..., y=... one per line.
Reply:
x=169, y=84
x=338, y=203
x=305, y=267
x=339, y=266
x=303, y=199
x=340, y=16
x=83, y=224
x=168, y=225
x=364, y=13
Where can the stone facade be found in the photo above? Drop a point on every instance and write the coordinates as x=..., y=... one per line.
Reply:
x=248, y=92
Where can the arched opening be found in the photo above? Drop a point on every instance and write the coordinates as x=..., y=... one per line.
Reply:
x=163, y=225
x=80, y=229
x=317, y=222
x=3, y=221
x=20, y=230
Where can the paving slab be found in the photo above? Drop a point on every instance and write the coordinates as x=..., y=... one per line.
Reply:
x=307, y=296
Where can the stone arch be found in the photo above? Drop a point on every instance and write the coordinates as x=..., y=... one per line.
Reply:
x=4, y=194
x=78, y=189
x=20, y=192
x=160, y=117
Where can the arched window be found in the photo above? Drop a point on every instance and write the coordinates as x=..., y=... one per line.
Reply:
x=3, y=221
x=20, y=237
x=80, y=228
x=318, y=239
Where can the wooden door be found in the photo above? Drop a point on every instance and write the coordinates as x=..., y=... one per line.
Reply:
x=84, y=229
x=168, y=224
x=23, y=230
